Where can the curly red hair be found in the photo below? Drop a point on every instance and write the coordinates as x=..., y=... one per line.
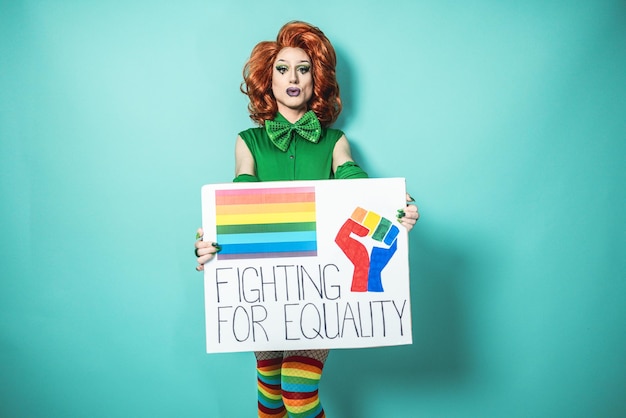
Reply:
x=257, y=73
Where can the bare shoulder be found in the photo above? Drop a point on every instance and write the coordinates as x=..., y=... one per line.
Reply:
x=244, y=160
x=341, y=152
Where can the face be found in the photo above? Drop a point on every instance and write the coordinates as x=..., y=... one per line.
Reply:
x=292, y=81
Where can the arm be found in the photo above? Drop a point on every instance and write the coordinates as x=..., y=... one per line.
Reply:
x=341, y=155
x=244, y=161
x=244, y=164
x=343, y=165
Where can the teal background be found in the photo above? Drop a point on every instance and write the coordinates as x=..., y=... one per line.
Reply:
x=506, y=118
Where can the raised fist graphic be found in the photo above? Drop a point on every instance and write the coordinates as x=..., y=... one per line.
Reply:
x=372, y=252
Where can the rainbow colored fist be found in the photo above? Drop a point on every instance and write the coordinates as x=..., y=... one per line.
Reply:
x=368, y=264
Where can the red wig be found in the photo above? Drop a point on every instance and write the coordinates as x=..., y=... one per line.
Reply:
x=257, y=73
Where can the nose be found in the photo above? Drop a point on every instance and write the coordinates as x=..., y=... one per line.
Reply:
x=294, y=76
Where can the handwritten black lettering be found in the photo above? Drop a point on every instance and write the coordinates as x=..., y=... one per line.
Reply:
x=219, y=281
x=316, y=319
x=256, y=311
x=288, y=321
x=220, y=320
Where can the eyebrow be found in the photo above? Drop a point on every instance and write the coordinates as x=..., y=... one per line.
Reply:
x=301, y=62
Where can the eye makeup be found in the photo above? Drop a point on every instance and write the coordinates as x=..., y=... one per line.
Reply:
x=282, y=68
x=304, y=68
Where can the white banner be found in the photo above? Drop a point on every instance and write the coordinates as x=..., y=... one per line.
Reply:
x=306, y=265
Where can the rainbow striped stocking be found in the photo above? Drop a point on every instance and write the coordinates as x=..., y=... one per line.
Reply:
x=268, y=384
x=301, y=374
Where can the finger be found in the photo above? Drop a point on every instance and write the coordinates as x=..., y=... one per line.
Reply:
x=409, y=198
x=202, y=244
x=199, y=233
x=200, y=267
x=411, y=211
x=407, y=223
x=203, y=259
x=206, y=250
x=409, y=217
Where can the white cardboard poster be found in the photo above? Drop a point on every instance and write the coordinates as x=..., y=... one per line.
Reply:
x=306, y=265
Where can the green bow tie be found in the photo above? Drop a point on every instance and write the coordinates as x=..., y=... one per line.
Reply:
x=280, y=131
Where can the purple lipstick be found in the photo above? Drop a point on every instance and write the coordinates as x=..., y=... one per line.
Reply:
x=293, y=91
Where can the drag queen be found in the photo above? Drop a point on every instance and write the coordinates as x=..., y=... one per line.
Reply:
x=294, y=99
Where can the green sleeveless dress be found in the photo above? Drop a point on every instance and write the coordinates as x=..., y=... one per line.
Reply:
x=303, y=160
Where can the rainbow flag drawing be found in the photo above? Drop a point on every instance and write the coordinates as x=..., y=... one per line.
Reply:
x=264, y=223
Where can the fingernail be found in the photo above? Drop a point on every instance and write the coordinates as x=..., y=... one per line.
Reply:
x=198, y=235
x=411, y=199
x=400, y=214
x=216, y=246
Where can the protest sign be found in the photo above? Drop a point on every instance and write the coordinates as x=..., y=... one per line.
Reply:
x=306, y=265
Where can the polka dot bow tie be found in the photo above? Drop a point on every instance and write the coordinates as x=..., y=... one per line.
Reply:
x=281, y=132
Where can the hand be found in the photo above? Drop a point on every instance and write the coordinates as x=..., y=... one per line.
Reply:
x=205, y=250
x=409, y=215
